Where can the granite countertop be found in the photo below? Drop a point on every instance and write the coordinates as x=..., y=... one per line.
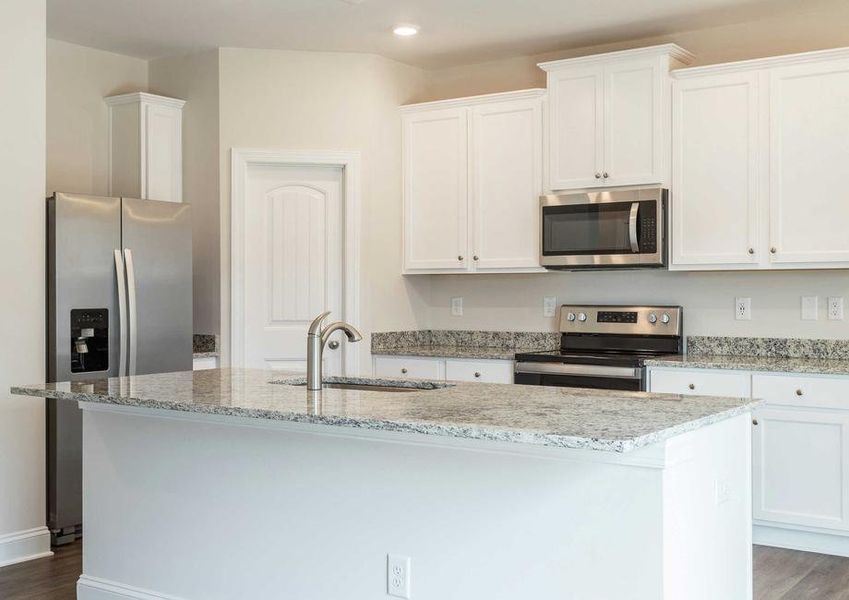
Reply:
x=479, y=352
x=204, y=354
x=603, y=420
x=823, y=366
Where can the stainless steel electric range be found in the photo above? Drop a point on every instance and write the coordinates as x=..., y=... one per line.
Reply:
x=604, y=347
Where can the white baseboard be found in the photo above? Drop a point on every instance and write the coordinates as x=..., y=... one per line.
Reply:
x=22, y=546
x=807, y=541
x=95, y=588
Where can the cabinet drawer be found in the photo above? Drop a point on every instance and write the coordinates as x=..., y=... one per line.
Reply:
x=488, y=371
x=407, y=366
x=699, y=382
x=802, y=391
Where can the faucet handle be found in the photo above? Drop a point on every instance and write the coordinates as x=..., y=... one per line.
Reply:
x=315, y=326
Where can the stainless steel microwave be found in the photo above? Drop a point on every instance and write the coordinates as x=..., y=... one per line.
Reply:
x=614, y=228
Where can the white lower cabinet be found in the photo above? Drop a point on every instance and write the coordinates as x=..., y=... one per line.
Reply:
x=441, y=369
x=202, y=363
x=487, y=371
x=800, y=451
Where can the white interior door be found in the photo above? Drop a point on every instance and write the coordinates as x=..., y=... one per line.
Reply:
x=293, y=262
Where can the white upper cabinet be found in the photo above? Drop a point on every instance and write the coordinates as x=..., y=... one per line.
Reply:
x=608, y=117
x=758, y=151
x=435, y=189
x=146, y=147
x=715, y=127
x=809, y=152
x=472, y=180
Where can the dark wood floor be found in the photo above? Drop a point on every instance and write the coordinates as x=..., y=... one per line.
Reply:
x=779, y=575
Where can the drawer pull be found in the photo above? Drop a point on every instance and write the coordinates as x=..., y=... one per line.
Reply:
x=692, y=386
x=799, y=392
x=404, y=370
x=477, y=374
x=754, y=421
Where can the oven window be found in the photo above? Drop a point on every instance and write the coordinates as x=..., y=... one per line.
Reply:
x=586, y=229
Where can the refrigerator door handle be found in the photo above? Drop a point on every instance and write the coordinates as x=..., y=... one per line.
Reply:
x=131, y=309
x=120, y=276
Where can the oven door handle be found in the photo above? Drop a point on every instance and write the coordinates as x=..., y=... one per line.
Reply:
x=632, y=228
x=578, y=370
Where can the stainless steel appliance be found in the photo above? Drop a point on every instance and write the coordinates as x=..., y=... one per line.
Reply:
x=119, y=302
x=616, y=228
x=604, y=347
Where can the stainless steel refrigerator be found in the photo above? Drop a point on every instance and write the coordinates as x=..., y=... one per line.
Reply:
x=119, y=302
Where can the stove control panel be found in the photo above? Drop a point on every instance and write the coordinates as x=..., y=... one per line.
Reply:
x=626, y=320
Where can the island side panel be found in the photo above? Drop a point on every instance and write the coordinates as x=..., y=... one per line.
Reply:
x=707, y=490
x=192, y=509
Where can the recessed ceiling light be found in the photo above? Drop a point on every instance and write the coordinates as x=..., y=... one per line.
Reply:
x=405, y=30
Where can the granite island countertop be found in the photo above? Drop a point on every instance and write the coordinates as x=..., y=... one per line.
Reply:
x=604, y=420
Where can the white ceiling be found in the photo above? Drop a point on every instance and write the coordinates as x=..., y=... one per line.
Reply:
x=452, y=31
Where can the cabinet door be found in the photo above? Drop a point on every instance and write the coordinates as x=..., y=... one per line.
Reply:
x=435, y=195
x=809, y=151
x=715, y=170
x=576, y=126
x=161, y=153
x=633, y=123
x=799, y=467
x=506, y=171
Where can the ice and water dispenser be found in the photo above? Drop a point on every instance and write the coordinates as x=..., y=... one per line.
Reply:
x=89, y=340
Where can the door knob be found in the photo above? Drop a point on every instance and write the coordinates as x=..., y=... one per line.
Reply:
x=333, y=345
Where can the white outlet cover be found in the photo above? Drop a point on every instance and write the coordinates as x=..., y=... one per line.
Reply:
x=743, y=309
x=398, y=576
x=457, y=306
x=549, y=306
x=810, y=308
x=835, y=308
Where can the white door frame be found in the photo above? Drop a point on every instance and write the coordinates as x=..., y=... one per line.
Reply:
x=349, y=161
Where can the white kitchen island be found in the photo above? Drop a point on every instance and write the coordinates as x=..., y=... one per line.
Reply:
x=221, y=484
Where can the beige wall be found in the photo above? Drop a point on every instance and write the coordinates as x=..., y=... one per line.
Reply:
x=515, y=302
x=194, y=78
x=815, y=25
x=22, y=327
x=78, y=78
x=329, y=101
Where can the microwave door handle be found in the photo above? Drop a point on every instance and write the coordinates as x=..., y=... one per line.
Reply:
x=632, y=228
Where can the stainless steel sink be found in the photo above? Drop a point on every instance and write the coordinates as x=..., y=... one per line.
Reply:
x=372, y=385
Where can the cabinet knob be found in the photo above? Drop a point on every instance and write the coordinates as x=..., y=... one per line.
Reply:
x=754, y=421
x=751, y=250
x=460, y=258
x=475, y=257
x=772, y=250
x=692, y=386
x=598, y=175
x=477, y=374
x=799, y=392
x=404, y=370
x=605, y=175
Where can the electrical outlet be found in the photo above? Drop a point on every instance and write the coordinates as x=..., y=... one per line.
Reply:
x=549, y=306
x=743, y=309
x=398, y=576
x=810, y=309
x=457, y=306
x=835, y=308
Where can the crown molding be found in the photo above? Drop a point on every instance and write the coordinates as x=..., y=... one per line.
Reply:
x=135, y=97
x=674, y=51
x=770, y=62
x=481, y=99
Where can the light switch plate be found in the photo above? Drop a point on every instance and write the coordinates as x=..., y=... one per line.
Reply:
x=549, y=306
x=457, y=306
x=810, y=308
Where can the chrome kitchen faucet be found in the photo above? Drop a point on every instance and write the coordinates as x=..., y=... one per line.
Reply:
x=316, y=340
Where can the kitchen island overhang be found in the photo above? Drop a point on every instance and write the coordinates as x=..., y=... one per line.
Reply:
x=187, y=497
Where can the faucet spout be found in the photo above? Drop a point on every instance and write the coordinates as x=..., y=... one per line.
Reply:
x=317, y=337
